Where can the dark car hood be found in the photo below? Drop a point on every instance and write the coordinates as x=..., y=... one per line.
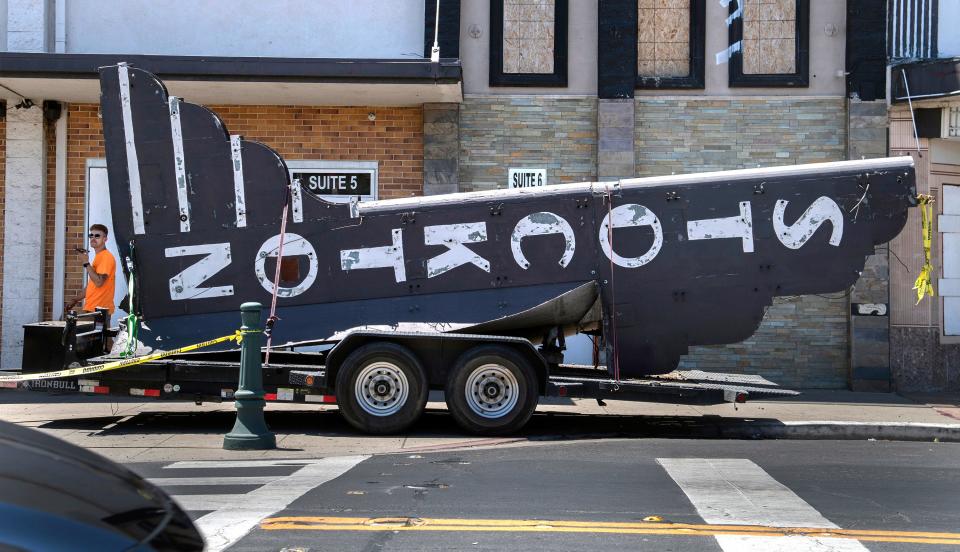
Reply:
x=41, y=473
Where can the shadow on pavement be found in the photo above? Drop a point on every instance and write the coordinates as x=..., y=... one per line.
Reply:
x=547, y=426
x=840, y=398
x=22, y=396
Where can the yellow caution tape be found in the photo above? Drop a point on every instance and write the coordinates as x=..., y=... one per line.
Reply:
x=924, y=285
x=86, y=370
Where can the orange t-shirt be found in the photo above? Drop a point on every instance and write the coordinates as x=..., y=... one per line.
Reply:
x=103, y=263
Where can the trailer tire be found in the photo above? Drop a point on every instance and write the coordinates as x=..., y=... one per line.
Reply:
x=492, y=390
x=381, y=388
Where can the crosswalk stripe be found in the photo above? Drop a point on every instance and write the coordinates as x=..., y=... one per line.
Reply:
x=734, y=491
x=227, y=525
x=221, y=464
x=791, y=543
x=226, y=480
x=199, y=502
x=738, y=492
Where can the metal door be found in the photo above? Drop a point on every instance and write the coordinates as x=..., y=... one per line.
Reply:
x=98, y=212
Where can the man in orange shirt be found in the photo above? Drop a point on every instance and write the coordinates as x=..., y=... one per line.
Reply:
x=101, y=274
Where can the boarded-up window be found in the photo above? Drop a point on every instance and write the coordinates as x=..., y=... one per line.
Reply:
x=663, y=38
x=528, y=36
x=769, y=37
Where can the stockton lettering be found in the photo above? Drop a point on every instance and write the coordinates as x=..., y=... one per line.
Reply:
x=456, y=241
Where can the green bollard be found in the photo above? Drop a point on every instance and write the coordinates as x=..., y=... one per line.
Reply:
x=250, y=432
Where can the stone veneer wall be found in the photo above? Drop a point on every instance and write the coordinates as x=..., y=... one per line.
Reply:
x=677, y=134
x=802, y=341
x=498, y=132
x=870, y=335
x=441, y=134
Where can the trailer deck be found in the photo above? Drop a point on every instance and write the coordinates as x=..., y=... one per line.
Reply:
x=302, y=377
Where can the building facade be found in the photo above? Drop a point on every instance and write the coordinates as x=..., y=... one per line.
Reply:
x=556, y=90
x=923, y=51
x=339, y=91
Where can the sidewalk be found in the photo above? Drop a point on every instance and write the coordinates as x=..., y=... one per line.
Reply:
x=131, y=430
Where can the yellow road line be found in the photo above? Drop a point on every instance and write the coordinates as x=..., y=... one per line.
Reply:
x=306, y=523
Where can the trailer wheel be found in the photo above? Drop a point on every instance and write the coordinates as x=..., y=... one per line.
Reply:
x=381, y=388
x=492, y=390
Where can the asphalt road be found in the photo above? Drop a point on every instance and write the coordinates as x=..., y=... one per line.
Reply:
x=613, y=494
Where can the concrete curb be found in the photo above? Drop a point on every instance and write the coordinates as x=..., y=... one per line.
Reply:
x=812, y=430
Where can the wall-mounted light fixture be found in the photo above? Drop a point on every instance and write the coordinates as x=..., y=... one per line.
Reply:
x=52, y=110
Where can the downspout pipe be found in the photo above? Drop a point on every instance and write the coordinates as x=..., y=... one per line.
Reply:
x=60, y=215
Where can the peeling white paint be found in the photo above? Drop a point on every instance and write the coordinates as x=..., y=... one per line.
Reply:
x=725, y=55
x=236, y=152
x=179, y=163
x=186, y=284
x=133, y=164
x=795, y=235
x=354, y=207
x=600, y=188
x=293, y=245
x=626, y=216
x=389, y=256
x=541, y=224
x=736, y=14
x=727, y=227
x=453, y=237
x=296, y=198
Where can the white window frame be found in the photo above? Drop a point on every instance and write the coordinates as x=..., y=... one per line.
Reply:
x=121, y=281
x=945, y=339
x=372, y=167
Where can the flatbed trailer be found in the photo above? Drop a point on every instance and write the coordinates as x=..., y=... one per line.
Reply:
x=311, y=377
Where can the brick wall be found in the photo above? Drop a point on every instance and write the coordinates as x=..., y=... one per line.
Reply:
x=394, y=139
x=50, y=200
x=802, y=341
x=84, y=141
x=500, y=132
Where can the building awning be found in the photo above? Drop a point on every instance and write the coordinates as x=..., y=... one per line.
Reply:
x=925, y=80
x=240, y=80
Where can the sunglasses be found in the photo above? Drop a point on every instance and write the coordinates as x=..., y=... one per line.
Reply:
x=98, y=236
